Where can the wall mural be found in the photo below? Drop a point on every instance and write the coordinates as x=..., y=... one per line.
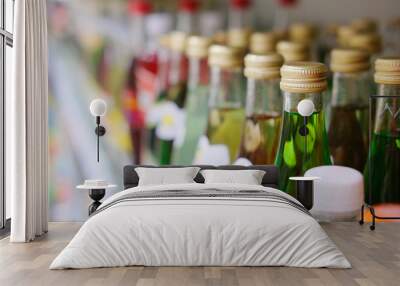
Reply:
x=172, y=100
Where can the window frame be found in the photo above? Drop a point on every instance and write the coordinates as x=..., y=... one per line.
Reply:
x=6, y=39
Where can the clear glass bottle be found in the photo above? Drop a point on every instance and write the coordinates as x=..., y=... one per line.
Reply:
x=196, y=106
x=369, y=42
x=382, y=180
x=364, y=25
x=348, y=123
x=239, y=16
x=392, y=37
x=260, y=135
x=282, y=14
x=187, y=18
x=303, y=141
x=226, y=102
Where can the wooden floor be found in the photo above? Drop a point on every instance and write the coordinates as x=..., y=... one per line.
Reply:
x=375, y=257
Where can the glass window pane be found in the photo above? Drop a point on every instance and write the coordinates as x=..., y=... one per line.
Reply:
x=8, y=89
x=9, y=13
x=1, y=14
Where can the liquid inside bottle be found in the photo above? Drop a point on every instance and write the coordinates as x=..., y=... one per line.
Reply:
x=261, y=138
x=382, y=180
x=348, y=127
x=303, y=145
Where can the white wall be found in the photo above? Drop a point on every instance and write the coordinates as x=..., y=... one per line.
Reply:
x=324, y=11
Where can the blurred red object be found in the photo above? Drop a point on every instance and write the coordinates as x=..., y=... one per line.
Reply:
x=139, y=7
x=287, y=3
x=240, y=4
x=190, y=6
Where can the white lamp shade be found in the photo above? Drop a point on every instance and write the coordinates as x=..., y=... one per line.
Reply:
x=98, y=107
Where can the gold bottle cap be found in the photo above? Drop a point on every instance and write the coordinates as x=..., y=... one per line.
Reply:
x=225, y=57
x=265, y=66
x=394, y=23
x=239, y=38
x=292, y=51
x=303, y=77
x=197, y=47
x=331, y=29
x=344, y=34
x=281, y=34
x=220, y=38
x=177, y=41
x=387, y=70
x=349, y=60
x=261, y=43
x=364, y=25
x=372, y=43
x=164, y=41
x=302, y=32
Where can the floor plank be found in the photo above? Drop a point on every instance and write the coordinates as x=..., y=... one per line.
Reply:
x=375, y=257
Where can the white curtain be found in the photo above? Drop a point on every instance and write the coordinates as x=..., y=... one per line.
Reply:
x=26, y=123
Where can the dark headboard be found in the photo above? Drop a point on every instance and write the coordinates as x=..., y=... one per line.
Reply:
x=270, y=179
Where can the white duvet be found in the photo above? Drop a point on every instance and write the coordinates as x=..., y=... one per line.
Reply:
x=200, y=231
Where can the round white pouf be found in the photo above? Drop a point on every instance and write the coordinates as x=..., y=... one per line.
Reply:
x=338, y=194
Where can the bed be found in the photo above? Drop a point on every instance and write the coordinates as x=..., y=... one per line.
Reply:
x=198, y=224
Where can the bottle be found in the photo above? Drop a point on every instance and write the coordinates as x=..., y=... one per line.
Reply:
x=303, y=140
x=344, y=35
x=239, y=15
x=392, y=36
x=364, y=25
x=282, y=14
x=178, y=68
x=196, y=106
x=167, y=115
x=306, y=34
x=382, y=180
x=262, y=43
x=348, y=127
x=144, y=62
x=187, y=18
x=226, y=102
x=292, y=51
x=260, y=135
x=371, y=43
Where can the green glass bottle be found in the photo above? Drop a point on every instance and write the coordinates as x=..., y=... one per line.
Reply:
x=348, y=122
x=226, y=102
x=303, y=141
x=261, y=130
x=382, y=172
x=196, y=106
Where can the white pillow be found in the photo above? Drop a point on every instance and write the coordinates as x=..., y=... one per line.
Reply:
x=248, y=177
x=164, y=176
